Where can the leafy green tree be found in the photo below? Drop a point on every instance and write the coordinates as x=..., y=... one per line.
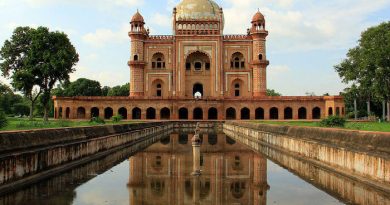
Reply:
x=37, y=58
x=367, y=66
x=271, y=92
x=3, y=120
x=81, y=87
x=105, y=90
x=123, y=90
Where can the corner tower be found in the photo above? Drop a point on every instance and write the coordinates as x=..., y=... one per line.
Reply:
x=259, y=60
x=138, y=34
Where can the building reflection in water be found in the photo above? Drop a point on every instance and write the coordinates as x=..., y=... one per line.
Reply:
x=231, y=173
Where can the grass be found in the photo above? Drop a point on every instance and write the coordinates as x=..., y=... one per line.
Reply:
x=351, y=125
x=38, y=123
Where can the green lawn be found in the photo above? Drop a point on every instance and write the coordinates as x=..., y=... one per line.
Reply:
x=365, y=126
x=25, y=124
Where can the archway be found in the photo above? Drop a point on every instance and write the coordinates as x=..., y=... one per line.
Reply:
x=158, y=88
x=136, y=113
x=183, y=113
x=288, y=113
x=231, y=114
x=165, y=114
x=302, y=114
x=108, y=113
x=338, y=111
x=274, y=113
x=80, y=113
x=151, y=113
x=236, y=88
x=67, y=113
x=198, y=114
x=198, y=61
x=123, y=112
x=60, y=113
x=316, y=114
x=197, y=88
x=213, y=114
x=245, y=113
x=259, y=113
x=95, y=112
x=330, y=111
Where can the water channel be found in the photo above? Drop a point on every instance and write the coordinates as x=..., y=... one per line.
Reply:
x=161, y=175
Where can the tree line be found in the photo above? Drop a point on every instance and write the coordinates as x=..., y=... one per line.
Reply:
x=367, y=70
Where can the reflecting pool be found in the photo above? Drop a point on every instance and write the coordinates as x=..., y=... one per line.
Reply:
x=161, y=175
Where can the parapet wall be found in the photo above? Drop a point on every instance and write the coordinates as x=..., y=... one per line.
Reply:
x=27, y=157
x=364, y=156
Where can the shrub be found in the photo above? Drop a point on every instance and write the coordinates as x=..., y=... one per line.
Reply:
x=117, y=118
x=3, y=120
x=97, y=120
x=333, y=121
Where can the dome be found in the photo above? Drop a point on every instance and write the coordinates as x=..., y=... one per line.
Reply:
x=198, y=10
x=258, y=17
x=137, y=18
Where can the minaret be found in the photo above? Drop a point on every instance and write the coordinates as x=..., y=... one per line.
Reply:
x=138, y=34
x=260, y=61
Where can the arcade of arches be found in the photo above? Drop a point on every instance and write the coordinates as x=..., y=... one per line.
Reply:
x=196, y=110
x=199, y=73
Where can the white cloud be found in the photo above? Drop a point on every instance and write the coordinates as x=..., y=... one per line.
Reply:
x=161, y=20
x=305, y=25
x=102, y=37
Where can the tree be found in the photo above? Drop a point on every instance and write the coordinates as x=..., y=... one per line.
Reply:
x=37, y=57
x=367, y=66
x=82, y=87
x=272, y=93
x=123, y=90
x=105, y=90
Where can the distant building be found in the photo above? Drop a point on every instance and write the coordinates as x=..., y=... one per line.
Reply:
x=229, y=72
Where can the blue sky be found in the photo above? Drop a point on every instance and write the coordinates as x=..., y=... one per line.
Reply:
x=306, y=37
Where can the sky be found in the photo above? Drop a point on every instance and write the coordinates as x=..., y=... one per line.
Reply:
x=306, y=37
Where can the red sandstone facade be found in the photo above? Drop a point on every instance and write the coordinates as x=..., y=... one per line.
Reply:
x=228, y=72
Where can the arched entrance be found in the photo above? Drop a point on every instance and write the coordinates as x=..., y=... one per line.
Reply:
x=198, y=114
x=67, y=113
x=108, y=113
x=231, y=114
x=136, y=113
x=183, y=113
x=197, y=88
x=213, y=114
x=302, y=114
x=316, y=113
x=245, y=113
x=165, y=114
x=151, y=113
x=274, y=113
x=288, y=113
x=123, y=112
x=80, y=113
x=330, y=111
x=259, y=115
x=95, y=112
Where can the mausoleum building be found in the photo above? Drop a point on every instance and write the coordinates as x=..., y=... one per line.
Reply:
x=199, y=73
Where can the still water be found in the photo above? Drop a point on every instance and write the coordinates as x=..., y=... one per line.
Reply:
x=161, y=175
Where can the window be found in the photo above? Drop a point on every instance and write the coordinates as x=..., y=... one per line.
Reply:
x=207, y=66
x=198, y=66
x=158, y=61
x=237, y=90
x=260, y=56
x=135, y=57
x=159, y=90
x=158, y=161
x=237, y=61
